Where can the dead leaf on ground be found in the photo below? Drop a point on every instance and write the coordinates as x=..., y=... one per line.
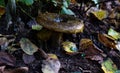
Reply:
x=118, y=45
x=17, y=70
x=6, y=59
x=51, y=64
x=2, y=69
x=2, y=11
x=70, y=47
x=4, y=41
x=100, y=14
x=106, y=41
x=27, y=46
x=90, y=50
x=28, y=58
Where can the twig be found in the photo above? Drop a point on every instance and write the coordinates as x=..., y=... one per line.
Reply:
x=44, y=55
x=85, y=71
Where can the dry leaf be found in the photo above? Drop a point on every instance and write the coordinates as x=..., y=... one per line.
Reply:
x=2, y=69
x=6, y=59
x=3, y=42
x=90, y=50
x=118, y=45
x=100, y=14
x=28, y=58
x=106, y=41
x=51, y=64
x=27, y=46
x=2, y=11
x=17, y=70
x=73, y=1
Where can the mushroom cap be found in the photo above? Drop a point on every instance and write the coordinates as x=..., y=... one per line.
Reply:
x=60, y=23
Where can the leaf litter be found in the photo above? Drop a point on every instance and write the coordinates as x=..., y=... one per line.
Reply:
x=89, y=51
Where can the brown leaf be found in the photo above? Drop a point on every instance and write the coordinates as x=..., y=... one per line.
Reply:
x=106, y=41
x=2, y=11
x=90, y=50
x=17, y=70
x=28, y=58
x=6, y=59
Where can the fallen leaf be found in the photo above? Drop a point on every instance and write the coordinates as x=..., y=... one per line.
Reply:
x=34, y=25
x=51, y=64
x=114, y=34
x=27, y=46
x=17, y=70
x=90, y=50
x=100, y=14
x=3, y=42
x=2, y=69
x=106, y=41
x=73, y=1
x=70, y=47
x=2, y=11
x=118, y=45
x=7, y=59
x=37, y=27
x=28, y=58
x=108, y=66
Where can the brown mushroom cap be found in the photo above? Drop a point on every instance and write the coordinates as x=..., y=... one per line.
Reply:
x=60, y=23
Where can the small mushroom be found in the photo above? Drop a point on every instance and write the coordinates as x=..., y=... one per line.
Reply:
x=60, y=23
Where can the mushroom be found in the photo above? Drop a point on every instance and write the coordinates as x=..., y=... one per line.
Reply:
x=60, y=23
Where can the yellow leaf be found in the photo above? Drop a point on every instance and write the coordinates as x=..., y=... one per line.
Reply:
x=108, y=66
x=100, y=14
x=69, y=47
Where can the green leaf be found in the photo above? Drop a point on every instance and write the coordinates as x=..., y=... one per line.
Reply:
x=65, y=4
x=114, y=34
x=36, y=27
x=27, y=46
x=2, y=3
x=108, y=66
x=66, y=11
x=27, y=2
